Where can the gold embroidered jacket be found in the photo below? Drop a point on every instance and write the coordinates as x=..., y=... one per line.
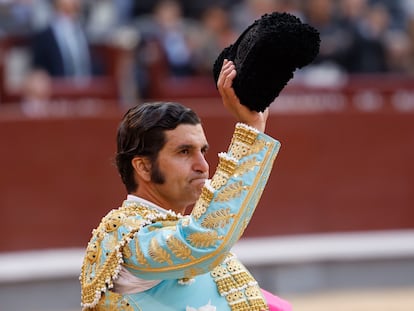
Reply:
x=165, y=246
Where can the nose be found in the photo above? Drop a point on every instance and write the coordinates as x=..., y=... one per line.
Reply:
x=200, y=163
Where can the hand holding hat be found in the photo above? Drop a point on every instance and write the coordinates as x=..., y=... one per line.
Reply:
x=266, y=55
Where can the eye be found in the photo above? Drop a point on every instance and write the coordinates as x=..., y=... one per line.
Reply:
x=185, y=151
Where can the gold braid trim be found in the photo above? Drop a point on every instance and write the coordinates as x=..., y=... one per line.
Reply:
x=225, y=168
x=244, y=137
x=200, y=207
x=92, y=289
x=238, y=286
x=245, y=133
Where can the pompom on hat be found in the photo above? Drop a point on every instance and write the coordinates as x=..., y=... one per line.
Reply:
x=266, y=55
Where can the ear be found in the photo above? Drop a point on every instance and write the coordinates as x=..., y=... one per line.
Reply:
x=142, y=168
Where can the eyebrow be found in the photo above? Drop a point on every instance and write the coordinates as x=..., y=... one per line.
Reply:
x=190, y=146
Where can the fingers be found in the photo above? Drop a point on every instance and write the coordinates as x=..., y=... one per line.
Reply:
x=227, y=75
x=232, y=103
x=224, y=84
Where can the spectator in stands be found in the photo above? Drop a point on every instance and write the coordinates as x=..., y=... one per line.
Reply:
x=216, y=33
x=401, y=48
x=395, y=10
x=124, y=9
x=190, y=8
x=335, y=40
x=62, y=49
x=102, y=19
x=365, y=27
x=244, y=13
x=13, y=18
x=105, y=18
x=167, y=45
x=174, y=35
x=351, y=12
x=36, y=95
x=18, y=17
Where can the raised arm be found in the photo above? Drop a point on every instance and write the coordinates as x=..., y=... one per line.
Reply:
x=156, y=245
x=198, y=242
x=241, y=112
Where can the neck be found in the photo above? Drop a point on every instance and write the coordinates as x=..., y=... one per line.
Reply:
x=179, y=209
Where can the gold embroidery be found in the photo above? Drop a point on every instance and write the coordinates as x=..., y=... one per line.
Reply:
x=219, y=218
x=241, y=306
x=126, y=252
x=226, y=284
x=227, y=165
x=202, y=203
x=245, y=134
x=168, y=223
x=219, y=180
x=132, y=222
x=158, y=253
x=124, y=305
x=192, y=272
x=234, y=298
x=203, y=239
x=111, y=301
x=139, y=254
x=150, y=216
x=252, y=292
x=238, y=286
x=92, y=252
x=91, y=288
x=255, y=298
x=230, y=192
x=206, y=194
x=246, y=166
x=199, y=209
x=257, y=146
x=98, y=268
x=238, y=150
x=185, y=221
x=219, y=272
x=178, y=248
x=234, y=265
x=218, y=260
x=110, y=242
x=113, y=221
x=225, y=168
x=135, y=209
x=164, y=225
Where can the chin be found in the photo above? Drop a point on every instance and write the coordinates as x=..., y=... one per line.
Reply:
x=198, y=193
x=189, y=207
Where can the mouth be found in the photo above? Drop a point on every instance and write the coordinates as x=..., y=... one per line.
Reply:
x=199, y=181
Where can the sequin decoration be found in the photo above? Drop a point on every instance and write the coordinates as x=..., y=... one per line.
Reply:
x=238, y=286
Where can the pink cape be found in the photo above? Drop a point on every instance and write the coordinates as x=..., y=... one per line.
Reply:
x=275, y=303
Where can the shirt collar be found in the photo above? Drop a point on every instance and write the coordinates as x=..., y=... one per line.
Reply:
x=134, y=198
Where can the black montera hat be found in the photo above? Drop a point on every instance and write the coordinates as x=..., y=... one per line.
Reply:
x=266, y=55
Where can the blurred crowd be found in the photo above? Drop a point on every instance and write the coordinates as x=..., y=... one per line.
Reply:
x=357, y=36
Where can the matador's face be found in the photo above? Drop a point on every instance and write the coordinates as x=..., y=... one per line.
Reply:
x=181, y=168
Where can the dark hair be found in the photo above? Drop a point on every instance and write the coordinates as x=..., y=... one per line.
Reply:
x=141, y=133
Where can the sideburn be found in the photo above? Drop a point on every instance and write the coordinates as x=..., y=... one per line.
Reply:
x=157, y=176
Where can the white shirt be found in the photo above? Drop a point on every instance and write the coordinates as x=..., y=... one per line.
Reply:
x=127, y=283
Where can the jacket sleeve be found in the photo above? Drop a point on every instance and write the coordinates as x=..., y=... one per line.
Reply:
x=198, y=242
